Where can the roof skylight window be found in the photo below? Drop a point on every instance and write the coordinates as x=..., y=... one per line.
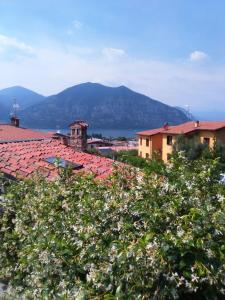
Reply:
x=62, y=163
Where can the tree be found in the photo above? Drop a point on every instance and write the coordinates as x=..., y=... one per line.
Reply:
x=193, y=150
x=131, y=157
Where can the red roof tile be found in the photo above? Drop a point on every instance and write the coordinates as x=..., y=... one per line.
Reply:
x=185, y=128
x=9, y=133
x=23, y=159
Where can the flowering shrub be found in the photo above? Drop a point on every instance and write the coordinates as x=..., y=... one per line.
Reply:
x=138, y=236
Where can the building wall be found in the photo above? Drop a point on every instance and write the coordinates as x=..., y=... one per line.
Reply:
x=157, y=146
x=159, y=142
x=207, y=134
x=220, y=135
x=167, y=149
x=144, y=150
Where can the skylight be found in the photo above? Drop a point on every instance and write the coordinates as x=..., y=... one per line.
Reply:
x=63, y=163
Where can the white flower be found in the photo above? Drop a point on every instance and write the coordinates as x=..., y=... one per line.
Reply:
x=65, y=206
x=194, y=278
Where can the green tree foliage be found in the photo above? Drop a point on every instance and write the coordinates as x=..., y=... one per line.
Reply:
x=193, y=150
x=140, y=235
x=131, y=157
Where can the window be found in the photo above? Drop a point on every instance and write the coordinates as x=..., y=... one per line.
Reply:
x=78, y=131
x=140, y=153
x=63, y=163
x=140, y=141
x=169, y=139
x=147, y=142
x=206, y=141
x=147, y=155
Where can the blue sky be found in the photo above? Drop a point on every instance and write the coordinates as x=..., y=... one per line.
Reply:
x=172, y=50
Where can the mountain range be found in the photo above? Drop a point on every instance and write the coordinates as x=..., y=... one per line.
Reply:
x=23, y=97
x=101, y=106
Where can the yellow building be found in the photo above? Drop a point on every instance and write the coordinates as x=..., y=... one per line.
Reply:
x=158, y=143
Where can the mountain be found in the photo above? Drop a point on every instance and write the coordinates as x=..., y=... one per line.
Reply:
x=3, y=112
x=24, y=98
x=101, y=107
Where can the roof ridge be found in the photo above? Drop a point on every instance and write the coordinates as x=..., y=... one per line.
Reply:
x=185, y=127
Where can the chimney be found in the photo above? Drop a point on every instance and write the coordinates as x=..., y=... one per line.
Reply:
x=166, y=126
x=15, y=121
x=78, y=135
x=65, y=140
x=197, y=124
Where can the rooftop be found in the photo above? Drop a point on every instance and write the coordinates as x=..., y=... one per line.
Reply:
x=23, y=159
x=10, y=133
x=185, y=128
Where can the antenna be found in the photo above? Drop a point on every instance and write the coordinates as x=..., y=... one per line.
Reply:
x=57, y=129
x=188, y=109
x=15, y=108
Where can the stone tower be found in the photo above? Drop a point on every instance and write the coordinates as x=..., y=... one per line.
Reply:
x=78, y=135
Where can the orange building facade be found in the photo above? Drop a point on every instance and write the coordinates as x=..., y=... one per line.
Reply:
x=158, y=143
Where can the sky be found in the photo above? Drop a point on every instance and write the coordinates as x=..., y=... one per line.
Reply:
x=170, y=50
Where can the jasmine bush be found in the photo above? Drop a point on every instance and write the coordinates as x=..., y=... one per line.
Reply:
x=140, y=235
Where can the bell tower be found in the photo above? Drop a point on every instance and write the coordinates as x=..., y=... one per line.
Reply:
x=78, y=135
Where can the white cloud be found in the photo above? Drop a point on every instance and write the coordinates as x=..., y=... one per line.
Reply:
x=54, y=69
x=197, y=56
x=113, y=53
x=13, y=43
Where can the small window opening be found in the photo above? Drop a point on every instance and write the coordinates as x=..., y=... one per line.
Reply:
x=206, y=141
x=169, y=139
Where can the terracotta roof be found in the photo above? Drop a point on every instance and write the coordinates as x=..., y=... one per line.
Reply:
x=23, y=159
x=9, y=133
x=185, y=128
x=150, y=132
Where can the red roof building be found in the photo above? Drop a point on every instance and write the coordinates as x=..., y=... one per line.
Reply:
x=24, y=159
x=25, y=152
x=10, y=133
x=185, y=128
x=160, y=141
